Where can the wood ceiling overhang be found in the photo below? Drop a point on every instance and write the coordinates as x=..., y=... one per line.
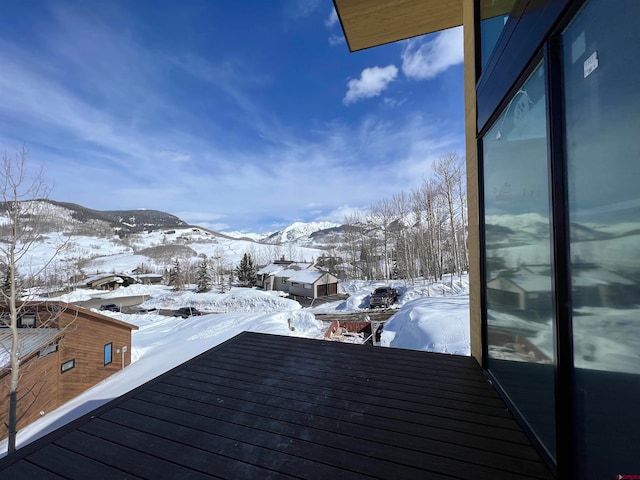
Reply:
x=369, y=23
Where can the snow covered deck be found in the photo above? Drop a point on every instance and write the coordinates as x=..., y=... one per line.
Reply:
x=266, y=406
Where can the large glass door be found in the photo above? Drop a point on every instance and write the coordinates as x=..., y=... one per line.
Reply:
x=518, y=286
x=601, y=68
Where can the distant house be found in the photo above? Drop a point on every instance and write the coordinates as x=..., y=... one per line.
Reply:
x=520, y=291
x=63, y=351
x=298, y=278
x=107, y=281
x=312, y=283
x=150, y=278
x=275, y=275
x=529, y=288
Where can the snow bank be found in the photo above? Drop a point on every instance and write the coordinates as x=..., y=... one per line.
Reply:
x=438, y=324
x=236, y=300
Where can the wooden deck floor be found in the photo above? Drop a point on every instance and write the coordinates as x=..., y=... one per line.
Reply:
x=265, y=407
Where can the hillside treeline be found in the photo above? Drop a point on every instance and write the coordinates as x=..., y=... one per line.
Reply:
x=419, y=234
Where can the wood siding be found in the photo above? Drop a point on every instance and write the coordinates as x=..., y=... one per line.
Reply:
x=84, y=341
x=37, y=390
x=84, y=335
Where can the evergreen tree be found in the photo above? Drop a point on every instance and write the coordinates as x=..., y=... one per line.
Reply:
x=203, y=279
x=246, y=271
x=176, y=276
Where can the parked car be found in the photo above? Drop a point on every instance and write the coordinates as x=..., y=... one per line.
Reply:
x=185, y=312
x=111, y=307
x=383, y=297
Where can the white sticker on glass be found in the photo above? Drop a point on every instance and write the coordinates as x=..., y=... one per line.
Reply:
x=590, y=64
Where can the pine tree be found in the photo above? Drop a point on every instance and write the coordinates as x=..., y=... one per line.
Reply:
x=203, y=279
x=176, y=276
x=246, y=271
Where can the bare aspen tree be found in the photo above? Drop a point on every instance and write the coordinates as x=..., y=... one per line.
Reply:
x=412, y=235
x=462, y=202
x=447, y=172
x=382, y=216
x=353, y=224
x=24, y=211
x=405, y=256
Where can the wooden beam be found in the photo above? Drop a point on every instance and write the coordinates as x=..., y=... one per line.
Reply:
x=369, y=23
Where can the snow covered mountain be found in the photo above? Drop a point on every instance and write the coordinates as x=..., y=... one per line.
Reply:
x=91, y=241
x=299, y=232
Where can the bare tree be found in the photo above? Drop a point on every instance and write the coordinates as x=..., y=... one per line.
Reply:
x=447, y=171
x=352, y=223
x=382, y=216
x=24, y=211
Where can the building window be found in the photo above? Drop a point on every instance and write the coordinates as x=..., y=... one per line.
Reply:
x=308, y=286
x=294, y=284
x=28, y=320
x=68, y=365
x=493, y=18
x=519, y=297
x=601, y=48
x=49, y=349
x=108, y=353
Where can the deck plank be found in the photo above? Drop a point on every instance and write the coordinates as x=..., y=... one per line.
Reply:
x=273, y=407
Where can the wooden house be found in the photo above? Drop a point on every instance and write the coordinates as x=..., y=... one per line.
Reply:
x=63, y=350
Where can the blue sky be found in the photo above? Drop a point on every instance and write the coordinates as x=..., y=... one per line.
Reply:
x=236, y=115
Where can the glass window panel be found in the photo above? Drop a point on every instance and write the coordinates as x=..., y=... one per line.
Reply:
x=601, y=53
x=518, y=267
x=493, y=17
x=108, y=353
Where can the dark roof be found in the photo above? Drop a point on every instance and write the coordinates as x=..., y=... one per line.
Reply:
x=263, y=406
x=63, y=307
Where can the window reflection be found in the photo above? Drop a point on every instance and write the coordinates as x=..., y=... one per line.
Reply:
x=517, y=257
x=603, y=157
x=602, y=99
x=517, y=229
x=493, y=17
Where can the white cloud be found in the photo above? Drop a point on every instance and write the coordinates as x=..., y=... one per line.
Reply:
x=339, y=214
x=371, y=83
x=332, y=19
x=177, y=157
x=336, y=40
x=422, y=59
x=394, y=102
x=297, y=9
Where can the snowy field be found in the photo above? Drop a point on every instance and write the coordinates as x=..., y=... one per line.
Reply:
x=430, y=316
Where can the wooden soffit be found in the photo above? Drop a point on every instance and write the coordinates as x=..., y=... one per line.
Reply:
x=369, y=23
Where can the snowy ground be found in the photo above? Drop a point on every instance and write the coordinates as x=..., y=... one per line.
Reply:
x=433, y=317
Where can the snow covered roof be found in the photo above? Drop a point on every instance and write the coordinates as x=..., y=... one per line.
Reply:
x=306, y=276
x=271, y=269
x=275, y=268
x=527, y=283
x=591, y=277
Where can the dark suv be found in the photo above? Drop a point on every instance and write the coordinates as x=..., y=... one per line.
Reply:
x=185, y=312
x=383, y=297
x=111, y=307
